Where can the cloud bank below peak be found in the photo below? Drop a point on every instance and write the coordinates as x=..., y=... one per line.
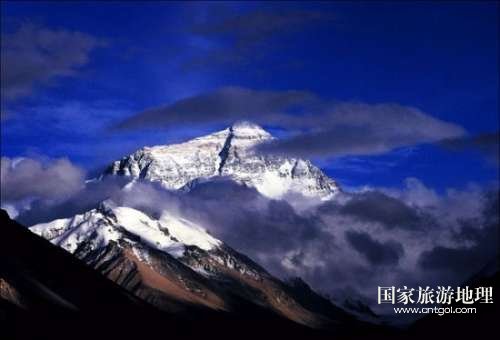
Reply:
x=334, y=246
x=316, y=127
x=25, y=180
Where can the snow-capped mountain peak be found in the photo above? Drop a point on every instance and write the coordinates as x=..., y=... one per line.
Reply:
x=173, y=263
x=228, y=153
x=109, y=222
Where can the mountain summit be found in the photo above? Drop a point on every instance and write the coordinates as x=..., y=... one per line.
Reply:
x=228, y=153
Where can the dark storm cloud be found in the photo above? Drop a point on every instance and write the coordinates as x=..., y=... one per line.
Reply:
x=487, y=143
x=375, y=252
x=481, y=232
x=250, y=221
x=249, y=36
x=259, y=25
x=262, y=228
x=363, y=129
x=318, y=128
x=225, y=106
x=35, y=55
x=451, y=259
x=27, y=178
x=374, y=206
x=83, y=200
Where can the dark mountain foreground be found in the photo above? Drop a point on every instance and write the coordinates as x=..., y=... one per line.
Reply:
x=47, y=293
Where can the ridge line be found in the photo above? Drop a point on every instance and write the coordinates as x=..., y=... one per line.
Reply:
x=224, y=153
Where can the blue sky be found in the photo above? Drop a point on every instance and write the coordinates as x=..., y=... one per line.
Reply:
x=441, y=58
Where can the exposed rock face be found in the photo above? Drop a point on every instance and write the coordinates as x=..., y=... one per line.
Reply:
x=63, y=297
x=229, y=153
x=173, y=263
x=10, y=293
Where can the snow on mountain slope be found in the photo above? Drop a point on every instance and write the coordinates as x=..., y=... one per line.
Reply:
x=170, y=261
x=111, y=223
x=227, y=153
x=183, y=240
